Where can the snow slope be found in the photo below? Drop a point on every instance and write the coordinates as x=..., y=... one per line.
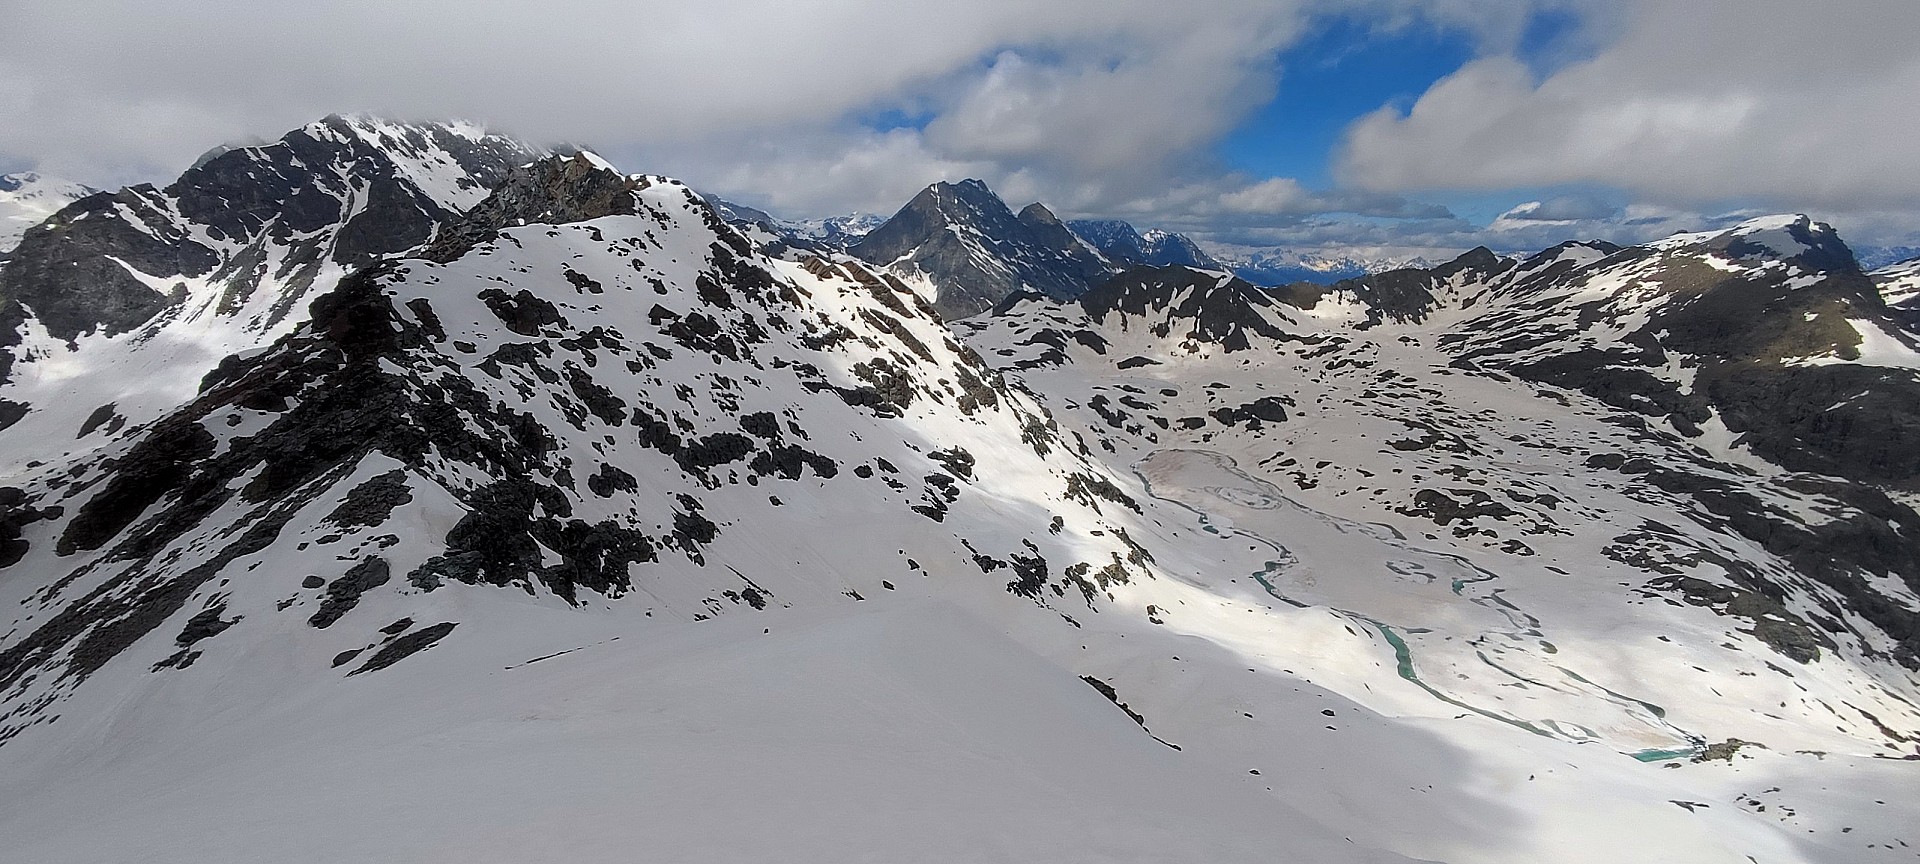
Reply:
x=1899, y=283
x=913, y=732
x=1516, y=558
x=27, y=198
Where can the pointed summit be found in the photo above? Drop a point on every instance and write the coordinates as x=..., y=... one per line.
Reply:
x=146, y=288
x=554, y=190
x=964, y=243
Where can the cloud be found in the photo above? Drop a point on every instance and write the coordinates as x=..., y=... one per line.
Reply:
x=1564, y=208
x=816, y=171
x=1092, y=105
x=1284, y=196
x=1098, y=107
x=119, y=85
x=1777, y=102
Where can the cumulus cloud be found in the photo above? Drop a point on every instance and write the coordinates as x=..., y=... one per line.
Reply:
x=123, y=85
x=1097, y=107
x=1780, y=102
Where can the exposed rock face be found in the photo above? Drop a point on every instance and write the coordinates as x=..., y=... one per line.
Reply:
x=1183, y=303
x=554, y=191
x=1051, y=233
x=341, y=191
x=1765, y=319
x=962, y=239
x=142, y=290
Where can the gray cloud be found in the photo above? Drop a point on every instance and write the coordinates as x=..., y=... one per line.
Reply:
x=1562, y=208
x=1098, y=107
x=1104, y=84
x=1778, y=102
x=1092, y=105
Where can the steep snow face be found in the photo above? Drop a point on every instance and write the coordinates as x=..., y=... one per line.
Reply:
x=123, y=301
x=27, y=199
x=960, y=240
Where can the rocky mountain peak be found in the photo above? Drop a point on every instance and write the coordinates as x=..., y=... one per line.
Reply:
x=1037, y=214
x=964, y=242
x=1794, y=238
x=554, y=190
x=966, y=201
x=1479, y=261
x=138, y=292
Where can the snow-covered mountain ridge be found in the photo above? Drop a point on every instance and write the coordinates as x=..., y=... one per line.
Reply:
x=583, y=525
x=612, y=426
x=117, y=305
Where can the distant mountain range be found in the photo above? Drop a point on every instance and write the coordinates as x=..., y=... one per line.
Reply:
x=1040, y=257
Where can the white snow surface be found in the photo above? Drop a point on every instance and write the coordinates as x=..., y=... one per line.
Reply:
x=1899, y=283
x=27, y=198
x=913, y=732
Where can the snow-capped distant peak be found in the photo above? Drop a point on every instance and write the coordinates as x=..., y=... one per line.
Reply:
x=1899, y=283
x=849, y=226
x=1790, y=237
x=1786, y=234
x=27, y=198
